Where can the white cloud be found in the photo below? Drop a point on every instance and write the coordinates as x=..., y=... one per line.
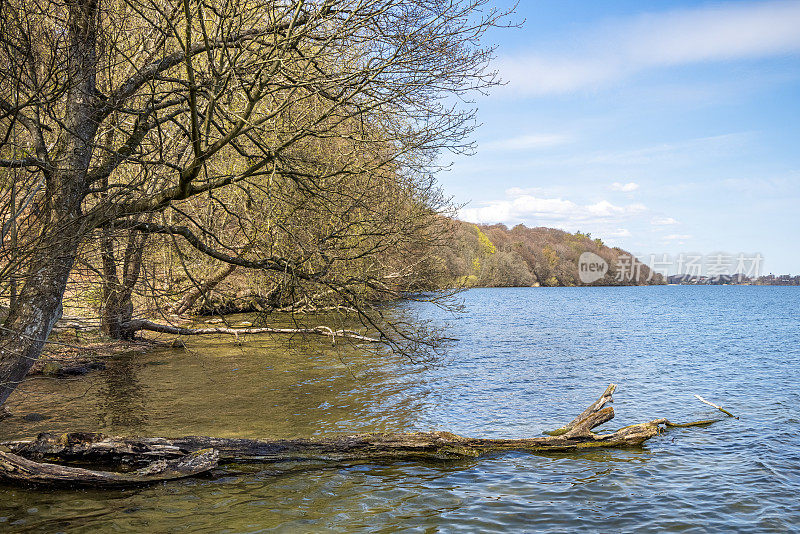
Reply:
x=735, y=31
x=526, y=142
x=538, y=211
x=676, y=237
x=621, y=232
x=663, y=221
x=636, y=208
x=540, y=76
x=627, y=188
x=604, y=208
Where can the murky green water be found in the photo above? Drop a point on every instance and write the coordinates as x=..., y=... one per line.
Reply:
x=527, y=360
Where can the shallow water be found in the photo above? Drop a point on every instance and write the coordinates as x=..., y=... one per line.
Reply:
x=527, y=360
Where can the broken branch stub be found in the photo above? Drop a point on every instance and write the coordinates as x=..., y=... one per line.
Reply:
x=604, y=399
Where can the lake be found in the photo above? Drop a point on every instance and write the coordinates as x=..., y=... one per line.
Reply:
x=526, y=360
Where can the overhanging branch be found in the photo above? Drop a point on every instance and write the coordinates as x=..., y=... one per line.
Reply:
x=268, y=264
x=20, y=163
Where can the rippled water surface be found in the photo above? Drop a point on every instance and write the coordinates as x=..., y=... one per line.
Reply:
x=526, y=360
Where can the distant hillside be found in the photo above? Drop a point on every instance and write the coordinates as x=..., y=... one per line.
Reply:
x=495, y=256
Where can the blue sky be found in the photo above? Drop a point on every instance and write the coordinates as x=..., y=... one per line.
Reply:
x=660, y=127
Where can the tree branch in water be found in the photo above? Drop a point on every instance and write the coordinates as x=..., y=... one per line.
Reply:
x=92, y=447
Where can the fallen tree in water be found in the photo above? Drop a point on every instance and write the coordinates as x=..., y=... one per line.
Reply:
x=99, y=448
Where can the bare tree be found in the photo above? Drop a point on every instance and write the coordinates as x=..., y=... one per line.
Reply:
x=129, y=108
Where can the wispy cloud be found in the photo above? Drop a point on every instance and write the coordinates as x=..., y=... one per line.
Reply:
x=676, y=237
x=626, y=188
x=663, y=221
x=620, y=232
x=527, y=142
x=675, y=153
x=619, y=162
x=716, y=33
x=533, y=75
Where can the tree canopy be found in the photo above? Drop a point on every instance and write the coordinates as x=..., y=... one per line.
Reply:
x=284, y=136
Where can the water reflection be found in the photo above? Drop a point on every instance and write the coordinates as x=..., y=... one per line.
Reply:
x=268, y=387
x=354, y=497
x=121, y=396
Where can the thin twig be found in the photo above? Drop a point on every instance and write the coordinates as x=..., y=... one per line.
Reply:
x=723, y=410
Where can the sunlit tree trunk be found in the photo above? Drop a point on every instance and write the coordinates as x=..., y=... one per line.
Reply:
x=38, y=306
x=117, y=311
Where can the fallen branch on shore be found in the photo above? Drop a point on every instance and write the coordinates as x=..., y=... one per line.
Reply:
x=136, y=325
x=142, y=324
x=99, y=448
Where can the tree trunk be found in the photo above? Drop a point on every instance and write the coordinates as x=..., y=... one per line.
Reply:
x=117, y=310
x=143, y=324
x=38, y=306
x=17, y=469
x=35, y=311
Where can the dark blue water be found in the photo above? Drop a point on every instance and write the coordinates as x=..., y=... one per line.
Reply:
x=527, y=360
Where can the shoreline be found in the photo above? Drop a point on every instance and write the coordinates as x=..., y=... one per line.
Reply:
x=71, y=353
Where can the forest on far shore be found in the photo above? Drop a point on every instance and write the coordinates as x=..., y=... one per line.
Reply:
x=496, y=256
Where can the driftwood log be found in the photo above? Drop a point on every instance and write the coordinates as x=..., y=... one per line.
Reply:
x=99, y=448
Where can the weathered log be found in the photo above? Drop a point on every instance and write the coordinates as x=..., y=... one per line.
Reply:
x=575, y=436
x=20, y=470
